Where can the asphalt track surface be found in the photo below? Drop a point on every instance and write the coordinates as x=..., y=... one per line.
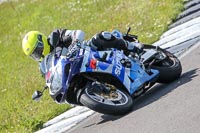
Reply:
x=170, y=108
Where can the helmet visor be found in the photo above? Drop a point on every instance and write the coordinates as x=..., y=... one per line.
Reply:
x=37, y=53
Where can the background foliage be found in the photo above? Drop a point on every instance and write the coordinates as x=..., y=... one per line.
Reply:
x=19, y=75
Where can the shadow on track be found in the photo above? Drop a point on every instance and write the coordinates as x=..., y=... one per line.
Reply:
x=154, y=94
x=160, y=90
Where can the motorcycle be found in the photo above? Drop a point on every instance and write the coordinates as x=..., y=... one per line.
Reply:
x=107, y=81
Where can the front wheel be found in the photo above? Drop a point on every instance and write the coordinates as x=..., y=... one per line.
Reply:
x=106, y=99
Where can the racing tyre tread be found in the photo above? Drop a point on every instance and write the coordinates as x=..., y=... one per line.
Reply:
x=104, y=108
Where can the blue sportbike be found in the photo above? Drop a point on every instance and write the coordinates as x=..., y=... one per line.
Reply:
x=106, y=81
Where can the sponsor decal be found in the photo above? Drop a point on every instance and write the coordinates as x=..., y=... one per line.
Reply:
x=93, y=63
x=48, y=75
x=118, y=67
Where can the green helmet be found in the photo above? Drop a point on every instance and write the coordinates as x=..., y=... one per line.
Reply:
x=35, y=45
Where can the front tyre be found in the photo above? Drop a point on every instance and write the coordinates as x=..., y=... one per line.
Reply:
x=106, y=100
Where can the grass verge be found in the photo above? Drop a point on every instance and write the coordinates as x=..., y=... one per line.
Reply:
x=19, y=75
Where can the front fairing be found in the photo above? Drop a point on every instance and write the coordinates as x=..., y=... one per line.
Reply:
x=59, y=72
x=132, y=77
x=91, y=61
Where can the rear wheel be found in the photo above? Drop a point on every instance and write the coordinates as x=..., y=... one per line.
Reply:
x=170, y=67
x=106, y=99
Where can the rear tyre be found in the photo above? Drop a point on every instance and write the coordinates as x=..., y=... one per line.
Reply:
x=170, y=68
x=116, y=102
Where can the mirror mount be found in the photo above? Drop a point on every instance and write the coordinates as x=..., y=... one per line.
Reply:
x=38, y=94
x=129, y=29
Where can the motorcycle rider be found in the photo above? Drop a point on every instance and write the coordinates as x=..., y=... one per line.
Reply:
x=36, y=45
x=115, y=39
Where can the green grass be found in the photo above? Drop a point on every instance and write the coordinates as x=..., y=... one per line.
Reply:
x=19, y=75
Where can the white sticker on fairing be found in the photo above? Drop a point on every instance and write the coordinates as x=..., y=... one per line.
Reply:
x=81, y=52
x=127, y=82
x=85, y=59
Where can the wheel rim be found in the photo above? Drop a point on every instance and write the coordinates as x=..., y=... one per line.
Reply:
x=119, y=97
x=168, y=62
